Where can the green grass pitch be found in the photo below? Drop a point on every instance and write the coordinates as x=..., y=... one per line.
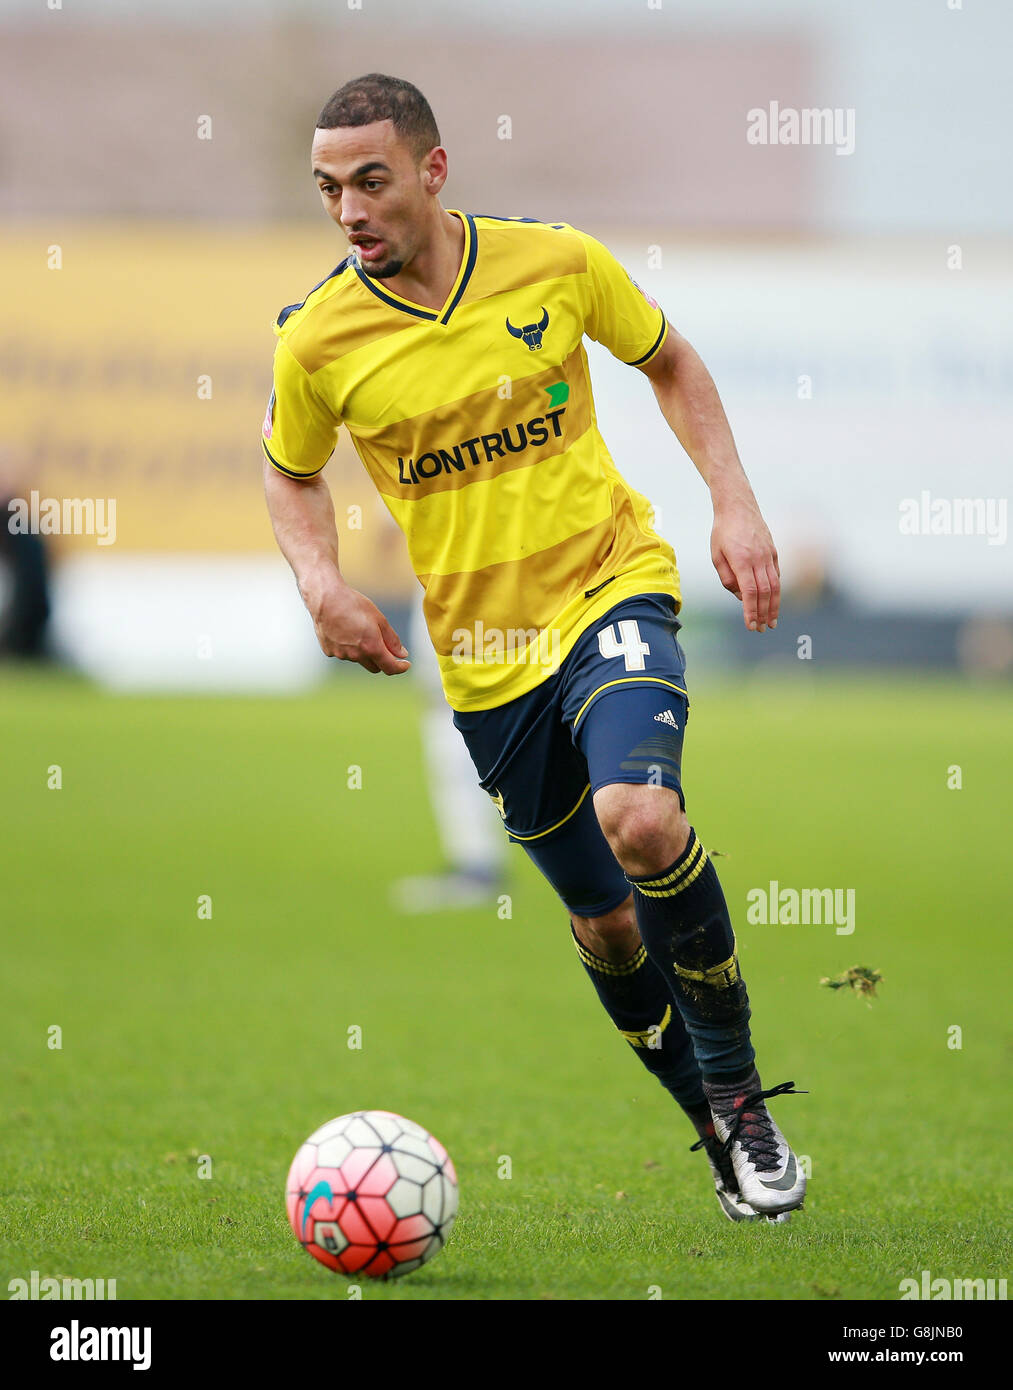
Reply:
x=228, y=1037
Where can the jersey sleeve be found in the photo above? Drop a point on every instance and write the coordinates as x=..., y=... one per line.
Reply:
x=619, y=314
x=300, y=429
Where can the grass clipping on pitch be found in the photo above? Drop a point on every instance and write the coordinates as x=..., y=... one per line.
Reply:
x=860, y=978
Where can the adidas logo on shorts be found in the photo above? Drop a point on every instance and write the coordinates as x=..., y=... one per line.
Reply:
x=667, y=717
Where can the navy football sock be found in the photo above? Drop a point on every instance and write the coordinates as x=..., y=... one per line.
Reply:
x=639, y=1002
x=685, y=927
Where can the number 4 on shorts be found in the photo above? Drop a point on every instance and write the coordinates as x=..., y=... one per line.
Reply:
x=628, y=645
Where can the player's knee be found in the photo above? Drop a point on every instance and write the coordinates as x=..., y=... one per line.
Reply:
x=645, y=826
x=614, y=937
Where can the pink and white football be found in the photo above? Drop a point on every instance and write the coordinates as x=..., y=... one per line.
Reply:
x=372, y=1194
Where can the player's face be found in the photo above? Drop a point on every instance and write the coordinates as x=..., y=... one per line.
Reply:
x=373, y=188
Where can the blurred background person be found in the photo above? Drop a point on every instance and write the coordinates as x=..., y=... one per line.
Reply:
x=472, y=839
x=24, y=573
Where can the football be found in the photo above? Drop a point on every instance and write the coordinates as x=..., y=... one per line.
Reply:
x=372, y=1194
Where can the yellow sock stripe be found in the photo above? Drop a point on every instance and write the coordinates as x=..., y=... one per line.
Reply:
x=680, y=878
x=604, y=967
x=647, y=1036
x=694, y=846
x=721, y=976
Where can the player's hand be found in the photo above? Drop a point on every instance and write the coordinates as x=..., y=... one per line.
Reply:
x=744, y=556
x=351, y=628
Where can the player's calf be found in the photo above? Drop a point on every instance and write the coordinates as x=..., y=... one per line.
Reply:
x=686, y=929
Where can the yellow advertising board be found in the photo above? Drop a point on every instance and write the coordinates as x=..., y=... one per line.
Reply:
x=136, y=362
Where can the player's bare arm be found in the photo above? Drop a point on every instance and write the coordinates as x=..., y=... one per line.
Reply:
x=741, y=545
x=348, y=625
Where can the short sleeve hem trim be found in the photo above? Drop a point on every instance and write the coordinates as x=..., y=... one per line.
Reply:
x=290, y=472
x=657, y=344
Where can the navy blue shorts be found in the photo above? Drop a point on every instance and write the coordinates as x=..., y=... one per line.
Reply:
x=615, y=711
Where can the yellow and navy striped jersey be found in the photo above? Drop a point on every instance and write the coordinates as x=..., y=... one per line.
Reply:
x=476, y=424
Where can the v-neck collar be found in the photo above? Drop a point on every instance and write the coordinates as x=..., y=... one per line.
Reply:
x=419, y=311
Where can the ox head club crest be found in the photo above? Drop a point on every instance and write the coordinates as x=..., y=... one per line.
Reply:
x=531, y=332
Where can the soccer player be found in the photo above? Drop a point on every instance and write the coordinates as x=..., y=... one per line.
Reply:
x=449, y=345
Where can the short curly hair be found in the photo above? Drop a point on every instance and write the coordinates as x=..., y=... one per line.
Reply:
x=377, y=97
